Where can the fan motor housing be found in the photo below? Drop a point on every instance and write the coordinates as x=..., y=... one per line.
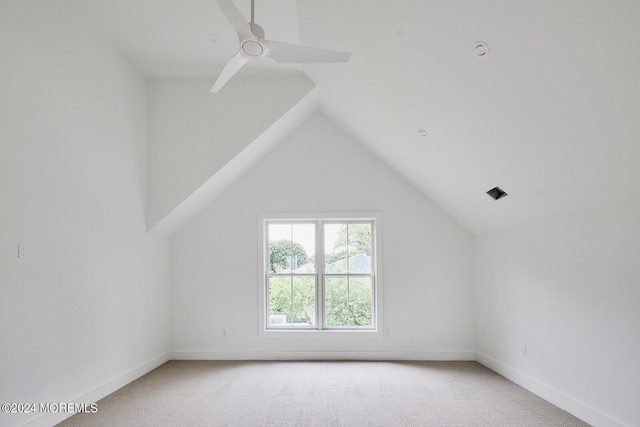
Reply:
x=252, y=48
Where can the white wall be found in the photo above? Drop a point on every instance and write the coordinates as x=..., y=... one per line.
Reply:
x=88, y=309
x=427, y=258
x=193, y=133
x=569, y=289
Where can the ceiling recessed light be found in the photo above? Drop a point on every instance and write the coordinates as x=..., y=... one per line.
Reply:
x=212, y=37
x=481, y=49
x=497, y=193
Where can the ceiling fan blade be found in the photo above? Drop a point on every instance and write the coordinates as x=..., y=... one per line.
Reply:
x=231, y=67
x=238, y=21
x=292, y=53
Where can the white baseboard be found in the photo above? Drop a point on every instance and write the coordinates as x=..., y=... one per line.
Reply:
x=321, y=355
x=103, y=390
x=561, y=400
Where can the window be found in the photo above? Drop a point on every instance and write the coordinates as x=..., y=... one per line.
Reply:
x=319, y=273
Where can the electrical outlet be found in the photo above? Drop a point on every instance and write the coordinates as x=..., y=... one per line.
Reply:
x=387, y=331
x=224, y=333
x=23, y=251
x=524, y=350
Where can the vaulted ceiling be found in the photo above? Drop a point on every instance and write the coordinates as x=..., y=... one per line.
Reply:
x=550, y=114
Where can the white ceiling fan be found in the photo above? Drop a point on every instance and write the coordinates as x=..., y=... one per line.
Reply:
x=253, y=44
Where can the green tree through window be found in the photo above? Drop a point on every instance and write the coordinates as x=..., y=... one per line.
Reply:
x=286, y=255
x=353, y=239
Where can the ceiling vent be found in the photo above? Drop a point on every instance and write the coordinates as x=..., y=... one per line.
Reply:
x=497, y=193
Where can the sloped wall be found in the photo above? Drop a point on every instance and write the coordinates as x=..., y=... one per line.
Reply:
x=193, y=133
x=567, y=288
x=88, y=309
x=427, y=258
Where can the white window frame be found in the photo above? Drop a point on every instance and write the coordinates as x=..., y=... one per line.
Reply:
x=320, y=328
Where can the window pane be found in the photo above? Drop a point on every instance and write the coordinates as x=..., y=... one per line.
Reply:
x=304, y=301
x=359, y=247
x=292, y=301
x=279, y=300
x=335, y=248
x=349, y=301
x=348, y=248
x=291, y=248
x=336, y=301
x=360, y=301
x=304, y=237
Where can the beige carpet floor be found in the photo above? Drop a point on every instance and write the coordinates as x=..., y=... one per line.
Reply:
x=302, y=393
